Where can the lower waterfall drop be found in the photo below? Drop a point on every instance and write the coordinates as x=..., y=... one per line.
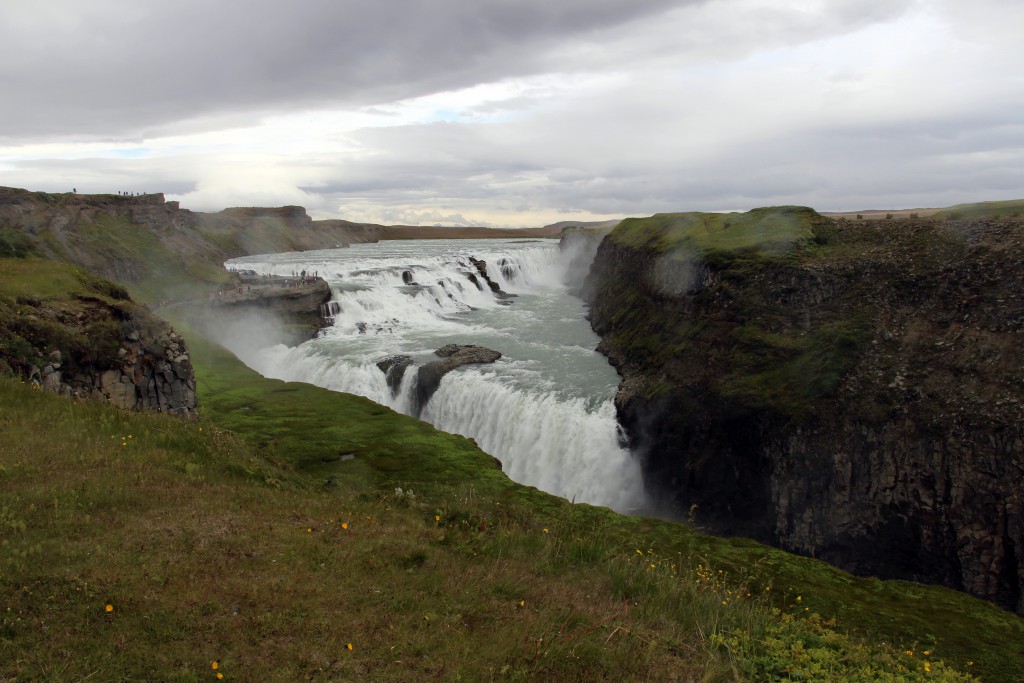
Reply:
x=544, y=409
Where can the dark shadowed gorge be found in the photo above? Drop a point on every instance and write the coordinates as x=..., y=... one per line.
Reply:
x=849, y=390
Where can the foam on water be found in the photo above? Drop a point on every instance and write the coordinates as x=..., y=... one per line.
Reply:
x=544, y=409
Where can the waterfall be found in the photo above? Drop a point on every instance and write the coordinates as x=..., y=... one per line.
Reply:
x=560, y=446
x=544, y=409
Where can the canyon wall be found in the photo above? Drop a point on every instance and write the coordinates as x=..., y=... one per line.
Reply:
x=845, y=390
x=145, y=240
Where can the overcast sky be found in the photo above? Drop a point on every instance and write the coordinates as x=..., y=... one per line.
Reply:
x=516, y=112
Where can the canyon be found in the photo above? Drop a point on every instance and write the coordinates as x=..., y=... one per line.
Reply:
x=847, y=390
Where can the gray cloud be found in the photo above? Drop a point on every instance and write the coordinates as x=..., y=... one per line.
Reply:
x=603, y=108
x=108, y=67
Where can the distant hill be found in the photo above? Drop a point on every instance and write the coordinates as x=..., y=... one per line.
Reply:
x=160, y=250
x=996, y=209
x=1010, y=207
x=562, y=225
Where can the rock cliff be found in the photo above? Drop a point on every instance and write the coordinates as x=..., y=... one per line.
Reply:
x=80, y=336
x=153, y=245
x=168, y=255
x=299, y=307
x=848, y=390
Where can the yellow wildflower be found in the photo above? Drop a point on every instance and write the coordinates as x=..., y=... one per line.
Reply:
x=437, y=518
x=109, y=608
x=349, y=647
x=214, y=665
x=344, y=525
x=219, y=675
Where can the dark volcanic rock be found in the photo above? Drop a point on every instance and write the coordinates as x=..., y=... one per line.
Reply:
x=454, y=356
x=394, y=370
x=303, y=305
x=860, y=400
x=99, y=345
x=481, y=267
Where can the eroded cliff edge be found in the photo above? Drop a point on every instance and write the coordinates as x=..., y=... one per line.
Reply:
x=67, y=331
x=848, y=390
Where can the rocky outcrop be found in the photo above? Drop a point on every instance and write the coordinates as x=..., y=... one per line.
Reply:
x=94, y=342
x=394, y=370
x=481, y=272
x=300, y=305
x=428, y=377
x=140, y=380
x=857, y=396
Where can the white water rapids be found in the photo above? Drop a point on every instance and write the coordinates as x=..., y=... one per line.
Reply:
x=544, y=409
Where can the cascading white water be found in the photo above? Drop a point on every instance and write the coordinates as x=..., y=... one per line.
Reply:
x=544, y=409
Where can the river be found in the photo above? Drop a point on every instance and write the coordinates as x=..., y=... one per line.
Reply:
x=544, y=409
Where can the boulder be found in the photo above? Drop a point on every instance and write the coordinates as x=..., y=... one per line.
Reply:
x=453, y=356
x=481, y=267
x=394, y=369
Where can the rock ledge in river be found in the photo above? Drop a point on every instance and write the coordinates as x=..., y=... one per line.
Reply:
x=453, y=356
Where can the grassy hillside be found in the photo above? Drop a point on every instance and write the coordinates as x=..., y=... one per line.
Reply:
x=261, y=555
x=767, y=230
x=298, y=533
x=1010, y=207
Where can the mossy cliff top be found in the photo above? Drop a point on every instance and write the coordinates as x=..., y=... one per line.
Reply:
x=789, y=298
x=701, y=235
x=48, y=307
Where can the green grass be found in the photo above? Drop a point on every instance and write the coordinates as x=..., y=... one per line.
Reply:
x=39, y=280
x=1010, y=207
x=713, y=235
x=45, y=306
x=15, y=244
x=292, y=521
x=210, y=547
x=134, y=255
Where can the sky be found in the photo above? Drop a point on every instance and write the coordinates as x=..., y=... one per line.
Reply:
x=516, y=113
